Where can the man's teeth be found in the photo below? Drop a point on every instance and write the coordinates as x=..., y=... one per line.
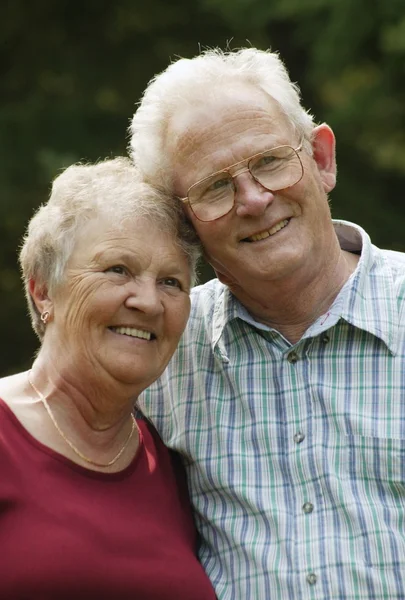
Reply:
x=139, y=333
x=269, y=232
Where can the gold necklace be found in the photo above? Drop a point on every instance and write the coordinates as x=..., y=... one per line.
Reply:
x=70, y=443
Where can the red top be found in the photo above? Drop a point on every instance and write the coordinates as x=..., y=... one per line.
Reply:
x=68, y=532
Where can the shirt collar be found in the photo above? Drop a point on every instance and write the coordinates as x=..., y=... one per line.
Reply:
x=367, y=300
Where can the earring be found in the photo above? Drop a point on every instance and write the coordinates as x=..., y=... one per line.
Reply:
x=45, y=316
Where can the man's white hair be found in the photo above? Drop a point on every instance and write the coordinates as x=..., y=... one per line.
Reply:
x=112, y=189
x=188, y=82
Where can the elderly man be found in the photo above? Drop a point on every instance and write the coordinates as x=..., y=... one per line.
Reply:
x=286, y=397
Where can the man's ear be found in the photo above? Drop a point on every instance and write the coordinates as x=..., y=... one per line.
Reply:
x=40, y=296
x=324, y=154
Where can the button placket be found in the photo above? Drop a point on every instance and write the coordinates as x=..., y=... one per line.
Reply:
x=306, y=508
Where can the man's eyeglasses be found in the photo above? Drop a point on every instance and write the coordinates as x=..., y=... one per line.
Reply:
x=275, y=169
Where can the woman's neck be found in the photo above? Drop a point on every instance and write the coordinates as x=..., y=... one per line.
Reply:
x=73, y=425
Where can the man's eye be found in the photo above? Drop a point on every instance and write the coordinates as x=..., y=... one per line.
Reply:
x=219, y=184
x=265, y=161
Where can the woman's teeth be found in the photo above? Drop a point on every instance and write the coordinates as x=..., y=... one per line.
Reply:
x=131, y=331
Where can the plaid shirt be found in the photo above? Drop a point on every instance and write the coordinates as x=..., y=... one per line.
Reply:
x=295, y=454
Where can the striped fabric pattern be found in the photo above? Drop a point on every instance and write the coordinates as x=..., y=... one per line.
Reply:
x=296, y=454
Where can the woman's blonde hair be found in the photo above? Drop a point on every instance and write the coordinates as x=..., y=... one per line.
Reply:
x=112, y=188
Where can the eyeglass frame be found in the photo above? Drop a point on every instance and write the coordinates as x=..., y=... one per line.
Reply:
x=186, y=200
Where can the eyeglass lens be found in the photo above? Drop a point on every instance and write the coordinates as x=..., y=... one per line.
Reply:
x=275, y=169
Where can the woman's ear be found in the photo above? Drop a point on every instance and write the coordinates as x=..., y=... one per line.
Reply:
x=324, y=154
x=40, y=297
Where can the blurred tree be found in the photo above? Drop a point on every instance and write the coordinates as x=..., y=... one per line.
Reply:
x=71, y=77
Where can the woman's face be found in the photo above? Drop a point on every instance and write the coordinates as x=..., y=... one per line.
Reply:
x=124, y=302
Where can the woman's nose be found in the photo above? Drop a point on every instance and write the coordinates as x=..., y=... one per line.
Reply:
x=252, y=199
x=144, y=297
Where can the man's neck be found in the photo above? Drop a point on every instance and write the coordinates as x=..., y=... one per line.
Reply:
x=291, y=306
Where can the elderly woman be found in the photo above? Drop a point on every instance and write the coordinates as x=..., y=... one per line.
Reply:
x=92, y=504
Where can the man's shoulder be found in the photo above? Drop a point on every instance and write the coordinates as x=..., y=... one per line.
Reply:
x=392, y=264
x=205, y=297
x=385, y=279
x=394, y=258
x=208, y=308
x=354, y=238
x=211, y=288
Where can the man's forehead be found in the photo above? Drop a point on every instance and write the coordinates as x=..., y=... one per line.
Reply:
x=221, y=109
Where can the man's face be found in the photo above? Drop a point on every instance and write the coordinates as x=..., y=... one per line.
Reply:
x=266, y=236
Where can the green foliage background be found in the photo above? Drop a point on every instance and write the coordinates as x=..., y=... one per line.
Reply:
x=72, y=73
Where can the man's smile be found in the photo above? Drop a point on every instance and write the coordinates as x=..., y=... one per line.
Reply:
x=256, y=237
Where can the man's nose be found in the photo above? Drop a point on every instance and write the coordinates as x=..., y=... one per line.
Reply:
x=144, y=296
x=251, y=198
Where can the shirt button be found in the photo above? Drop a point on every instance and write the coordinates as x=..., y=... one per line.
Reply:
x=325, y=338
x=308, y=507
x=299, y=437
x=311, y=578
x=292, y=357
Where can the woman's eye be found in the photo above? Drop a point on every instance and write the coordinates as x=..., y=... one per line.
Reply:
x=119, y=269
x=172, y=282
